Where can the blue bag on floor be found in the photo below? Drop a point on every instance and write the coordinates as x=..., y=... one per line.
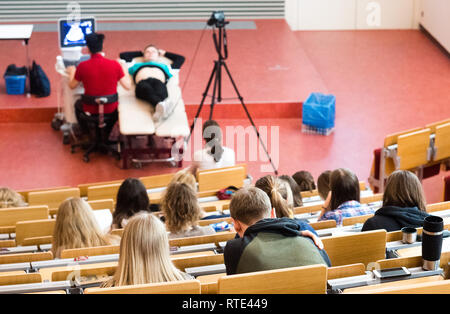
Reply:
x=319, y=111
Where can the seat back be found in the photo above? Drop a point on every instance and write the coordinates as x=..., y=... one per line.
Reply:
x=102, y=204
x=84, y=187
x=438, y=206
x=220, y=178
x=157, y=181
x=18, y=279
x=431, y=287
x=10, y=216
x=441, y=142
x=52, y=198
x=346, y=271
x=90, y=251
x=371, y=198
x=26, y=192
x=363, y=247
x=196, y=261
x=413, y=149
x=307, y=209
x=294, y=280
x=73, y=273
x=324, y=224
x=101, y=192
x=411, y=261
x=25, y=257
x=392, y=139
x=434, y=125
x=350, y=221
x=212, y=238
x=207, y=222
x=175, y=287
x=35, y=232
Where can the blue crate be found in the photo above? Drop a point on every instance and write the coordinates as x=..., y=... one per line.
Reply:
x=319, y=111
x=15, y=84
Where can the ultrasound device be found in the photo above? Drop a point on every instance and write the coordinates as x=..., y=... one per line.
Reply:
x=71, y=36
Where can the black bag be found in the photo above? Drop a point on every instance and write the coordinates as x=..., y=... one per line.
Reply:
x=13, y=70
x=39, y=83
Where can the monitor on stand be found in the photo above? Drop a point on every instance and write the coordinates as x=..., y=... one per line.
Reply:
x=71, y=35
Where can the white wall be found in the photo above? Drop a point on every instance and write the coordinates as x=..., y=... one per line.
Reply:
x=352, y=14
x=436, y=20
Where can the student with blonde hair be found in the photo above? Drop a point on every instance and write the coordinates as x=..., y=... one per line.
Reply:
x=76, y=227
x=182, y=211
x=281, y=199
x=144, y=254
x=279, y=193
x=186, y=176
x=10, y=198
x=403, y=204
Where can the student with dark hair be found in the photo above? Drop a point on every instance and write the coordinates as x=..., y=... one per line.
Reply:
x=265, y=243
x=343, y=198
x=403, y=204
x=214, y=155
x=296, y=192
x=99, y=76
x=304, y=180
x=323, y=184
x=132, y=198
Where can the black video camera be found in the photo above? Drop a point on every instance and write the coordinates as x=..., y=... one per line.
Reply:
x=218, y=19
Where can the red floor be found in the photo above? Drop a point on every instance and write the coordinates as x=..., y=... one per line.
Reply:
x=384, y=81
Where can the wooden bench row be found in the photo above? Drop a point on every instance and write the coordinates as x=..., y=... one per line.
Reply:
x=294, y=280
x=413, y=150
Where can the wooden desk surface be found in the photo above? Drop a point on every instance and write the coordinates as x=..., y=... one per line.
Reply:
x=417, y=250
x=399, y=283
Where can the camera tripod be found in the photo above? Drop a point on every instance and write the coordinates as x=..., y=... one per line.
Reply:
x=216, y=75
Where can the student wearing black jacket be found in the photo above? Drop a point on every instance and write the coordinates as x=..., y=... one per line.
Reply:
x=403, y=204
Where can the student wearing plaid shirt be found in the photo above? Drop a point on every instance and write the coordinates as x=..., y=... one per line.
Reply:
x=343, y=198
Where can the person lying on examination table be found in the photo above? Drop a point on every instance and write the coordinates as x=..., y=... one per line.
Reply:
x=151, y=76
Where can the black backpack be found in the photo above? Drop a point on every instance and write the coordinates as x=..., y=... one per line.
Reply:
x=39, y=83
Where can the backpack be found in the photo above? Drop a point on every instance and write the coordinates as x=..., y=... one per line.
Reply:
x=227, y=193
x=39, y=82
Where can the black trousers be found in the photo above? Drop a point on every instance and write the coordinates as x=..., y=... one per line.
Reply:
x=151, y=90
x=84, y=121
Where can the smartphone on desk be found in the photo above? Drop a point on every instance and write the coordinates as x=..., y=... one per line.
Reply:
x=391, y=272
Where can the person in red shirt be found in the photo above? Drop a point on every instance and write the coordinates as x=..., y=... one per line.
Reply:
x=99, y=76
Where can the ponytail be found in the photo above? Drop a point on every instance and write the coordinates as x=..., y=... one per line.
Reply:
x=273, y=188
x=282, y=209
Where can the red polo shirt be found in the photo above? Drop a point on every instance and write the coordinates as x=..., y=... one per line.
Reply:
x=99, y=76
